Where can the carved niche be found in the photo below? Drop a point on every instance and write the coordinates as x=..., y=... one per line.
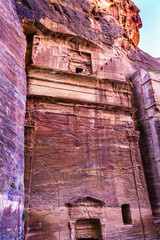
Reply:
x=87, y=219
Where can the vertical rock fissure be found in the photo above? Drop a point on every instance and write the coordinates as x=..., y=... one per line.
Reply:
x=136, y=187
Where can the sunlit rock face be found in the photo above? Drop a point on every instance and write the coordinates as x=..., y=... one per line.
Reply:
x=83, y=171
x=127, y=15
x=98, y=15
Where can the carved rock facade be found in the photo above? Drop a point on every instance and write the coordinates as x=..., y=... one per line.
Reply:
x=80, y=140
x=146, y=98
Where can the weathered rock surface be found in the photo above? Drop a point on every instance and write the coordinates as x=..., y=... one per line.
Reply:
x=115, y=23
x=80, y=135
x=12, y=113
x=88, y=15
x=147, y=101
x=83, y=171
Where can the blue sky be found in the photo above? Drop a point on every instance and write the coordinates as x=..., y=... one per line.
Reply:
x=150, y=32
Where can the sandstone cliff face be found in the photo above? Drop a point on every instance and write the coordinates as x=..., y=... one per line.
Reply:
x=83, y=168
x=12, y=113
x=87, y=13
x=113, y=23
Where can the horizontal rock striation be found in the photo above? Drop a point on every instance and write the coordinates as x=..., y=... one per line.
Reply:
x=81, y=143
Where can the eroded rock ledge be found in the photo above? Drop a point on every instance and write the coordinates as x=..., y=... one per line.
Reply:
x=86, y=18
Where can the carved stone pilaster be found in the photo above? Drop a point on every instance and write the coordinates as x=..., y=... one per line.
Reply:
x=72, y=228
x=103, y=227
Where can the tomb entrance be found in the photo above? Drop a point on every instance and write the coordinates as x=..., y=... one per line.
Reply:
x=88, y=229
x=87, y=219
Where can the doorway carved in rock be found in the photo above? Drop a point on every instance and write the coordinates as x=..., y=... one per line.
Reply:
x=88, y=229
